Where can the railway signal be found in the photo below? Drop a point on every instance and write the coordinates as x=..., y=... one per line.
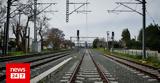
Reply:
x=78, y=38
x=78, y=34
x=107, y=39
x=112, y=41
x=112, y=35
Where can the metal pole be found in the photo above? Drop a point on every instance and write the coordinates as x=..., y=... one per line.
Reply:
x=112, y=43
x=1, y=36
x=6, y=29
x=35, y=28
x=107, y=39
x=71, y=42
x=67, y=10
x=144, y=25
x=28, y=38
x=78, y=43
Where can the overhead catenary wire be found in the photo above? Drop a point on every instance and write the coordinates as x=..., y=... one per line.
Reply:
x=115, y=9
x=77, y=5
x=143, y=14
x=151, y=17
x=86, y=19
x=18, y=8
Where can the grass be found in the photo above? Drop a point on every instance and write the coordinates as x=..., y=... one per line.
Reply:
x=21, y=53
x=103, y=51
x=16, y=53
x=151, y=61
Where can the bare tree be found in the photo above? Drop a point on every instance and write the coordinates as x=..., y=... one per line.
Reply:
x=55, y=36
x=2, y=11
x=19, y=30
x=43, y=22
x=68, y=43
x=2, y=14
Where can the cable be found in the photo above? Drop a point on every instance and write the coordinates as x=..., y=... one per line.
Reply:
x=74, y=4
x=151, y=17
x=86, y=19
x=117, y=7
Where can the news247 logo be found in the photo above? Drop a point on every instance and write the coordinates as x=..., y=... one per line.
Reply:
x=17, y=73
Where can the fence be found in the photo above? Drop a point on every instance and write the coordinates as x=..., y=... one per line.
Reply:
x=138, y=52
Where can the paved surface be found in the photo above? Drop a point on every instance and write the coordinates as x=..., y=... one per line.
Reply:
x=121, y=72
x=49, y=71
x=57, y=76
x=38, y=70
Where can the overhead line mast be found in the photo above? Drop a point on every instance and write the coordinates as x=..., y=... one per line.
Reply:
x=35, y=43
x=68, y=13
x=143, y=3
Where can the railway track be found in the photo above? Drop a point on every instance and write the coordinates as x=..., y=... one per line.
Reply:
x=87, y=70
x=9, y=58
x=149, y=70
x=35, y=62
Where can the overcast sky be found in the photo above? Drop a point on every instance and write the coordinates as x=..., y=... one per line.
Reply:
x=98, y=21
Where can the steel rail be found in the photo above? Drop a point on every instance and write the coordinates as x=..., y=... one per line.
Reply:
x=30, y=60
x=8, y=58
x=136, y=62
x=100, y=71
x=73, y=76
x=137, y=68
x=75, y=72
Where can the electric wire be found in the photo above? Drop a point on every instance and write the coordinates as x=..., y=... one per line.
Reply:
x=86, y=19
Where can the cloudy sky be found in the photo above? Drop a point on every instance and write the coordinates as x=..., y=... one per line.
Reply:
x=98, y=21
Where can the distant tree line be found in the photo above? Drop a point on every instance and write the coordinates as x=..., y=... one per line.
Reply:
x=152, y=39
x=55, y=37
